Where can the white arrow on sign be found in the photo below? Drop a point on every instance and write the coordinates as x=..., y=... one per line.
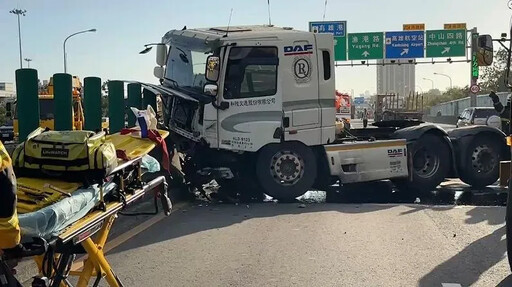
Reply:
x=446, y=50
x=405, y=52
x=366, y=54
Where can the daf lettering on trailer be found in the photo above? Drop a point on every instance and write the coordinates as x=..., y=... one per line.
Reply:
x=298, y=50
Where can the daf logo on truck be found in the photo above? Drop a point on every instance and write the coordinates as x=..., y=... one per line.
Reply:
x=298, y=50
x=398, y=152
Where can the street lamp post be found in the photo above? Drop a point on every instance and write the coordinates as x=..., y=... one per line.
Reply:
x=444, y=75
x=64, y=45
x=432, y=81
x=28, y=60
x=19, y=12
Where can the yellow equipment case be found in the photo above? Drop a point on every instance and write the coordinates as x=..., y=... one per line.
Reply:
x=83, y=155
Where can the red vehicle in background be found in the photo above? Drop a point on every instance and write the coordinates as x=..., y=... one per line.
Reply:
x=343, y=106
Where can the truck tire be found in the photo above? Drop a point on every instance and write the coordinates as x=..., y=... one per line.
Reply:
x=431, y=163
x=480, y=165
x=286, y=171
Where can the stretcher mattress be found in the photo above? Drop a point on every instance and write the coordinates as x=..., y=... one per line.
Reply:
x=51, y=220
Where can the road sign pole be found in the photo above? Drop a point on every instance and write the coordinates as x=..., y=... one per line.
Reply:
x=473, y=70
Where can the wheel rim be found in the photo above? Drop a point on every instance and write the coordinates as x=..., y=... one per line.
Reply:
x=287, y=168
x=425, y=162
x=483, y=159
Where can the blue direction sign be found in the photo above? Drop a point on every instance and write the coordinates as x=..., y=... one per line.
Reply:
x=405, y=44
x=337, y=28
x=359, y=100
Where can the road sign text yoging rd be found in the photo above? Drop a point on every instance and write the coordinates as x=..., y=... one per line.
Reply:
x=298, y=50
x=365, y=46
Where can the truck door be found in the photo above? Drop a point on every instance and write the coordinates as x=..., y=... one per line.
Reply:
x=250, y=94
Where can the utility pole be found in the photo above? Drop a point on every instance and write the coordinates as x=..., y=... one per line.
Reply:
x=474, y=69
x=19, y=12
x=64, y=45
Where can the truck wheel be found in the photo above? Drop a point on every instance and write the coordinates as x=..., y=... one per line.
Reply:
x=481, y=162
x=431, y=164
x=287, y=170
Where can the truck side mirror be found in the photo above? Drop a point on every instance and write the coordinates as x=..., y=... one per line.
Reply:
x=212, y=68
x=485, y=50
x=161, y=54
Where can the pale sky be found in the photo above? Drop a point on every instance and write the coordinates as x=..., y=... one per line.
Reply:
x=124, y=26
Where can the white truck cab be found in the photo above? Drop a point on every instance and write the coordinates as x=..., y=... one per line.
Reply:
x=269, y=82
x=258, y=103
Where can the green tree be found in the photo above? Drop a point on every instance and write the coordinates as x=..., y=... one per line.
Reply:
x=434, y=97
x=493, y=77
x=104, y=98
x=3, y=118
x=104, y=106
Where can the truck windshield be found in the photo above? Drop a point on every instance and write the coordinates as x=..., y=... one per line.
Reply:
x=186, y=67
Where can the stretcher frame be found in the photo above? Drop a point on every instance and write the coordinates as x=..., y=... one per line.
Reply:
x=89, y=234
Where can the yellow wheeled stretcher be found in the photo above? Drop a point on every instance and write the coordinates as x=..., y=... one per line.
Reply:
x=54, y=255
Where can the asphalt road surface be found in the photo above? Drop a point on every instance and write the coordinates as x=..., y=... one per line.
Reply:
x=370, y=236
x=321, y=244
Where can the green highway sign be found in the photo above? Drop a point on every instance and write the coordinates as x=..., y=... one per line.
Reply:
x=365, y=46
x=446, y=43
x=340, y=48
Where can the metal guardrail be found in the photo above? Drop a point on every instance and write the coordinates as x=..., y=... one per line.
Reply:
x=455, y=108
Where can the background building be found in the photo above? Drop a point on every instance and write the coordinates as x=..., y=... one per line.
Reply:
x=7, y=90
x=397, y=79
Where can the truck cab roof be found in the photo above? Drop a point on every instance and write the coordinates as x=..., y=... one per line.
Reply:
x=216, y=35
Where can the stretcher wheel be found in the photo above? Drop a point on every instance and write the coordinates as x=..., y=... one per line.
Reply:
x=102, y=206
